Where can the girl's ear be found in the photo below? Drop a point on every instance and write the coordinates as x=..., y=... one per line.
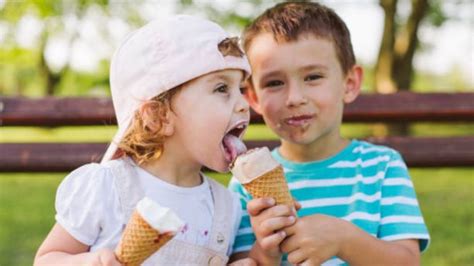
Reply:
x=251, y=96
x=150, y=119
x=168, y=125
x=353, y=82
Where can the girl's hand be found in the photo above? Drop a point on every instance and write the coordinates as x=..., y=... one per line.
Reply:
x=103, y=257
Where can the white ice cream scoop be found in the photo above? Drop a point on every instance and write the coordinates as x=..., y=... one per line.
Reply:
x=160, y=218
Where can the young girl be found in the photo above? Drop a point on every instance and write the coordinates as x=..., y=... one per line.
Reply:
x=176, y=92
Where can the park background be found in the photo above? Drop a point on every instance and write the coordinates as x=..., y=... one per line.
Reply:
x=63, y=47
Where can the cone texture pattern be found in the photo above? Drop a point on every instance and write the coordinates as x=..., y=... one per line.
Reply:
x=139, y=241
x=272, y=184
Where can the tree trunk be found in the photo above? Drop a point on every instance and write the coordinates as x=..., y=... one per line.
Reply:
x=394, y=68
x=385, y=59
x=405, y=46
x=51, y=79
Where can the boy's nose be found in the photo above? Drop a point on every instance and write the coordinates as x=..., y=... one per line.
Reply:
x=295, y=96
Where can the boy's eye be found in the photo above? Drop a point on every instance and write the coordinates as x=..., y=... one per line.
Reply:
x=221, y=88
x=273, y=83
x=312, y=77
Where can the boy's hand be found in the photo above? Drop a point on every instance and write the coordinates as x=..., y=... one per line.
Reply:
x=268, y=221
x=314, y=239
x=244, y=262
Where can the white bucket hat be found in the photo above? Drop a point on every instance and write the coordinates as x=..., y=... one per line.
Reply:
x=160, y=56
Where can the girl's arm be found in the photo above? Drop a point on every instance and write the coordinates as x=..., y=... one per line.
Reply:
x=61, y=248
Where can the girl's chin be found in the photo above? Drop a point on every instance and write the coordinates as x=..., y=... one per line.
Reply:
x=221, y=167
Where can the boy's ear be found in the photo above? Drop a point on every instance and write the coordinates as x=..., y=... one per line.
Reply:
x=150, y=121
x=251, y=96
x=353, y=82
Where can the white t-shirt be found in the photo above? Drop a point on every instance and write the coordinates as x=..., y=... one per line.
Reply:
x=88, y=207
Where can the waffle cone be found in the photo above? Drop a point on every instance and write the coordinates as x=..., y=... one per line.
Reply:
x=272, y=184
x=139, y=241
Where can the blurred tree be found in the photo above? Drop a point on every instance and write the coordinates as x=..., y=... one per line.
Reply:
x=53, y=15
x=394, y=67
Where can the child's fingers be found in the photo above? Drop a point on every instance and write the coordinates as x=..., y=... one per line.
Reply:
x=107, y=258
x=278, y=211
x=297, y=205
x=297, y=257
x=290, y=244
x=256, y=206
x=272, y=241
x=269, y=226
x=244, y=262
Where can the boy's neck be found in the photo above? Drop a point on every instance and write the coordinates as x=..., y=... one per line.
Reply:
x=316, y=151
x=174, y=172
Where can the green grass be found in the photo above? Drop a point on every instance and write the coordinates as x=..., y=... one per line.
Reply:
x=446, y=196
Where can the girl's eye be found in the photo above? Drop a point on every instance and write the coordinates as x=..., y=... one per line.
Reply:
x=273, y=83
x=221, y=88
x=312, y=77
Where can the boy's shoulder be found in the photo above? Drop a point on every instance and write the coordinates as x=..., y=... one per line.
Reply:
x=358, y=154
x=365, y=154
x=362, y=147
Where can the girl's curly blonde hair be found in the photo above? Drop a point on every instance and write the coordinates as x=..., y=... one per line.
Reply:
x=141, y=142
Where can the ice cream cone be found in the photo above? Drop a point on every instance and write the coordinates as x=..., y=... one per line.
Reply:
x=149, y=228
x=139, y=241
x=262, y=176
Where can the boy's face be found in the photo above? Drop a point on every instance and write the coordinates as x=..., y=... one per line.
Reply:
x=299, y=87
x=205, y=110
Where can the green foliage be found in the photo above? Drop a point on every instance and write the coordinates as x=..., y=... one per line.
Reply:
x=436, y=15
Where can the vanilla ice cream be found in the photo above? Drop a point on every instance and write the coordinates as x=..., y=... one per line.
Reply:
x=160, y=218
x=253, y=164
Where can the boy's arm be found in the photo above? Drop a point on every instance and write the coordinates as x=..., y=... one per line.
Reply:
x=401, y=232
x=60, y=248
x=364, y=249
x=315, y=239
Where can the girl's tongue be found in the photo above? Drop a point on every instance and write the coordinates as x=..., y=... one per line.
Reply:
x=233, y=147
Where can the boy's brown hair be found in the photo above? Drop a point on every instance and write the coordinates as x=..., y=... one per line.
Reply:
x=288, y=21
x=143, y=143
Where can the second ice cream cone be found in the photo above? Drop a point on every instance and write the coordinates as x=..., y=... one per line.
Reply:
x=271, y=184
x=262, y=176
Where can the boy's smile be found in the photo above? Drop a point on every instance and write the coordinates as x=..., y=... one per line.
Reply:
x=299, y=88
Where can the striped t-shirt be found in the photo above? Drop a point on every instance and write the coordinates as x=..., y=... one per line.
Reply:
x=365, y=184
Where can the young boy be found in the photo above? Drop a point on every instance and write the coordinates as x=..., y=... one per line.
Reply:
x=358, y=202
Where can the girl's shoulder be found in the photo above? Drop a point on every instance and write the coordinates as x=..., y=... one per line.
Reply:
x=92, y=181
x=86, y=200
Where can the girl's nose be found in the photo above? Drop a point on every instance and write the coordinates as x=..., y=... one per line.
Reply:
x=242, y=106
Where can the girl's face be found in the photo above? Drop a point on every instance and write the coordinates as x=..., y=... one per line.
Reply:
x=210, y=116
